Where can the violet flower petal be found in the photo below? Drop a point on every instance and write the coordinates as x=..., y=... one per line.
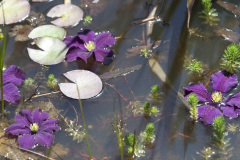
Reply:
x=21, y=120
x=44, y=138
x=234, y=100
x=223, y=81
x=207, y=114
x=26, y=113
x=17, y=129
x=199, y=90
x=49, y=128
x=36, y=116
x=86, y=35
x=44, y=116
x=10, y=93
x=75, y=54
x=13, y=75
x=229, y=112
x=74, y=41
x=105, y=39
x=26, y=141
x=100, y=54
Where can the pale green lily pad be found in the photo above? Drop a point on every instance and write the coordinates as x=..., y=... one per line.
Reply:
x=89, y=84
x=53, y=51
x=69, y=15
x=14, y=11
x=48, y=31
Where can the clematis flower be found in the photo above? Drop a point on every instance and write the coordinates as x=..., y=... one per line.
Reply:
x=88, y=43
x=33, y=128
x=217, y=102
x=12, y=78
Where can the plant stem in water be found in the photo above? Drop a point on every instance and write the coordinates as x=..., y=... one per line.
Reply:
x=1, y=66
x=120, y=142
x=84, y=123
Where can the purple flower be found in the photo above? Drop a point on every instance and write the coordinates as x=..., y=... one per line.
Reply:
x=12, y=78
x=88, y=42
x=33, y=128
x=216, y=103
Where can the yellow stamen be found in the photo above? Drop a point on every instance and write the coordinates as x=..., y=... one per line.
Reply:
x=217, y=97
x=34, y=127
x=90, y=46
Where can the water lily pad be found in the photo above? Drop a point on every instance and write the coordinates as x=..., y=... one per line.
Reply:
x=53, y=51
x=88, y=83
x=69, y=15
x=48, y=31
x=14, y=11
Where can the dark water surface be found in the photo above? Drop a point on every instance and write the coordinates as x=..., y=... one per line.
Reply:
x=176, y=136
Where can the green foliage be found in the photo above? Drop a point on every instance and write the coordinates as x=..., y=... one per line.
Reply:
x=231, y=59
x=154, y=110
x=28, y=82
x=146, y=108
x=130, y=139
x=150, y=129
x=74, y=130
x=208, y=13
x=147, y=136
x=146, y=53
x=193, y=66
x=193, y=101
x=155, y=92
x=52, y=81
x=87, y=20
x=219, y=127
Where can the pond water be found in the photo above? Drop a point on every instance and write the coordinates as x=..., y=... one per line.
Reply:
x=176, y=135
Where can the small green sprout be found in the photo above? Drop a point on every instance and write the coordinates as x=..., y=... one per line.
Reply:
x=194, y=66
x=146, y=53
x=219, y=127
x=231, y=59
x=87, y=20
x=130, y=150
x=193, y=101
x=74, y=130
x=28, y=82
x=209, y=14
x=1, y=34
x=146, y=108
x=130, y=139
x=52, y=81
x=148, y=135
x=155, y=92
x=154, y=110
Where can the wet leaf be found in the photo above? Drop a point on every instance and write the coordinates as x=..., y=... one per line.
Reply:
x=14, y=11
x=69, y=15
x=89, y=84
x=53, y=51
x=228, y=34
x=48, y=31
x=229, y=7
x=189, y=8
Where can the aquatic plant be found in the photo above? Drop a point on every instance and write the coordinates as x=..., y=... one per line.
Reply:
x=119, y=133
x=67, y=15
x=28, y=82
x=219, y=127
x=88, y=43
x=33, y=128
x=12, y=78
x=52, y=81
x=193, y=101
x=216, y=104
x=88, y=82
x=155, y=92
x=145, y=53
x=193, y=66
x=146, y=108
x=87, y=20
x=2, y=55
x=231, y=59
x=147, y=136
x=209, y=14
x=131, y=141
x=206, y=153
x=74, y=130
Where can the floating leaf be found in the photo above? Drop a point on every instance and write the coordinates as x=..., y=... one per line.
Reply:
x=229, y=7
x=48, y=31
x=13, y=11
x=69, y=15
x=88, y=83
x=53, y=51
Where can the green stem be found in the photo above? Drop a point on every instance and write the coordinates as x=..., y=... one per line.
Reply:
x=1, y=65
x=84, y=123
x=120, y=142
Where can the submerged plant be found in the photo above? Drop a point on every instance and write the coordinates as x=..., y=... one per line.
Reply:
x=52, y=81
x=88, y=43
x=219, y=127
x=216, y=103
x=131, y=141
x=206, y=153
x=146, y=108
x=146, y=53
x=87, y=20
x=28, y=82
x=74, y=130
x=209, y=14
x=193, y=101
x=231, y=59
x=193, y=66
x=148, y=135
x=155, y=92
x=33, y=128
